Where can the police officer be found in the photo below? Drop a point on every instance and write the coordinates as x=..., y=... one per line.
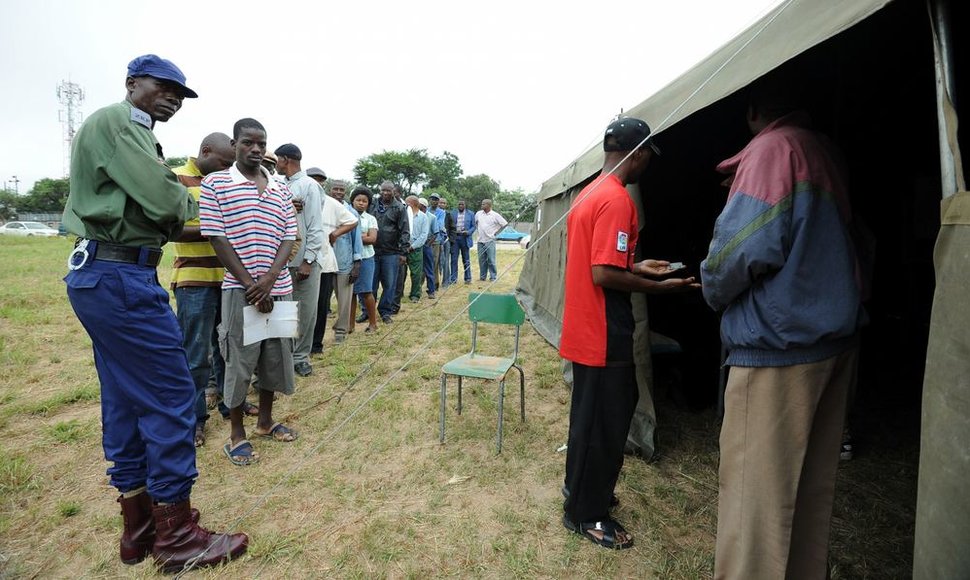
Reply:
x=123, y=206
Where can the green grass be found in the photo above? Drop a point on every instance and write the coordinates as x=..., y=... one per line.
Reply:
x=49, y=406
x=378, y=497
x=72, y=431
x=16, y=474
x=68, y=508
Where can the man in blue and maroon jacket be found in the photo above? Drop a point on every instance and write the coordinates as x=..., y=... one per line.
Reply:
x=783, y=272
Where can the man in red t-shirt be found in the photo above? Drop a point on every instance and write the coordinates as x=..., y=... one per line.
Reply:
x=597, y=330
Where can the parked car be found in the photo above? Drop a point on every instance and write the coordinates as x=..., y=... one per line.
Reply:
x=27, y=229
x=525, y=242
x=510, y=234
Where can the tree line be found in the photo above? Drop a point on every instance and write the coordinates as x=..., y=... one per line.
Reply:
x=420, y=173
x=48, y=195
x=414, y=169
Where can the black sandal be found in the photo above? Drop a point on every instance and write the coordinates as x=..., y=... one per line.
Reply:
x=610, y=528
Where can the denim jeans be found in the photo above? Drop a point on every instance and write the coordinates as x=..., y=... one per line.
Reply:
x=385, y=274
x=198, y=311
x=486, y=260
x=446, y=264
x=429, y=272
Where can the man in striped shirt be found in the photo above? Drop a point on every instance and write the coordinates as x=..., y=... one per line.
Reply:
x=250, y=221
x=197, y=275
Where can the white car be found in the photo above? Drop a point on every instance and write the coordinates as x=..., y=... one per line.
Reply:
x=27, y=229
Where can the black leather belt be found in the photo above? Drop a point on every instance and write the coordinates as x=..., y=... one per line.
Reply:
x=125, y=254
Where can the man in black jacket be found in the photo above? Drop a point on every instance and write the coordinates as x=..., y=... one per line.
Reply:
x=393, y=242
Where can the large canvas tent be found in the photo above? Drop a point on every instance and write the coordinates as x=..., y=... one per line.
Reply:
x=886, y=77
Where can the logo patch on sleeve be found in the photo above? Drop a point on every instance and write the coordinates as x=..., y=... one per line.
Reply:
x=622, y=240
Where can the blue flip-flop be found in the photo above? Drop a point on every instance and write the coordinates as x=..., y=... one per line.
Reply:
x=241, y=453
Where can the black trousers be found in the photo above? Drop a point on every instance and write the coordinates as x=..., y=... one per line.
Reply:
x=603, y=401
x=323, y=308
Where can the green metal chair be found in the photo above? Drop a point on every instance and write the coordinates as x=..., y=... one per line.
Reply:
x=490, y=309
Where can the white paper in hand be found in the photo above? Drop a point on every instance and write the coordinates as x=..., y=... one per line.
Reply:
x=280, y=323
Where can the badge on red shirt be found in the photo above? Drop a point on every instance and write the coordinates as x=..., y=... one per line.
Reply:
x=622, y=239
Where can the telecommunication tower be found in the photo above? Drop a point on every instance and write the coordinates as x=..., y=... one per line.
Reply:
x=70, y=95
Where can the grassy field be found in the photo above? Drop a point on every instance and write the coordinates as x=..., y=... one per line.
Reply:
x=374, y=494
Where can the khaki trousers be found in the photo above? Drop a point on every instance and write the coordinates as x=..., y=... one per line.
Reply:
x=344, y=289
x=779, y=454
x=307, y=293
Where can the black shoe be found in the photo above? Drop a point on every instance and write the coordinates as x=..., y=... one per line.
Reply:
x=362, y=318
x=303, y=369
x=386, y=319
x=845, y=454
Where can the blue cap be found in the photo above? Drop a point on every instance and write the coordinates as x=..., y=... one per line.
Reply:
x=155, y=66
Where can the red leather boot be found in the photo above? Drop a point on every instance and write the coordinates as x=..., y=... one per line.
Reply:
x=138, y=534
x=139, y=528
x=178, y=539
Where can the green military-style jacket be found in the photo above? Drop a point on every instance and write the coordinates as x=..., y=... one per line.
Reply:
x=121, y=190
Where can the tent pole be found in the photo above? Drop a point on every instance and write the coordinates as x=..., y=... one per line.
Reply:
x=946, y=98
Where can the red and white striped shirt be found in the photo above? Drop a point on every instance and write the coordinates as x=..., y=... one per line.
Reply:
x=255, y=225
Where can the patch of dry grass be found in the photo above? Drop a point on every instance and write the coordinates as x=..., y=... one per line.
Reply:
x=378, y=496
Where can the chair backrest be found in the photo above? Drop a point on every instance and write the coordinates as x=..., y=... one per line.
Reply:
x=495, y=309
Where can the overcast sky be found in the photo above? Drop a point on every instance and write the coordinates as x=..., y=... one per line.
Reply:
x=516, y=89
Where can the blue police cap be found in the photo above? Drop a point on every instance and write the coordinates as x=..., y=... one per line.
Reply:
x=160, y=68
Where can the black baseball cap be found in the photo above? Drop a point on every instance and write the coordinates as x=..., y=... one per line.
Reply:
x=628, y=133
x=289, y=150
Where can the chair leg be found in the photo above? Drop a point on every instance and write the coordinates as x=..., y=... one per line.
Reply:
x=444, y=391
x=501, y=403
x=521, y=392
x=459, y=394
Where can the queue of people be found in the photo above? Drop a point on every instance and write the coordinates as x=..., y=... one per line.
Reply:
x=250, y=228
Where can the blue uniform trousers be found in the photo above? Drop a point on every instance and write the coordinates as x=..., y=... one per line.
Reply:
x=147, y=392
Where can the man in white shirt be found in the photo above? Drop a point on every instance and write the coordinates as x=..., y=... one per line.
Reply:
x=488, y=223
x=418, y=228
x=336, y=221
x=304, y=266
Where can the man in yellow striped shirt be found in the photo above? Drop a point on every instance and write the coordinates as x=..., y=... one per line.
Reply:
x=197, y=275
